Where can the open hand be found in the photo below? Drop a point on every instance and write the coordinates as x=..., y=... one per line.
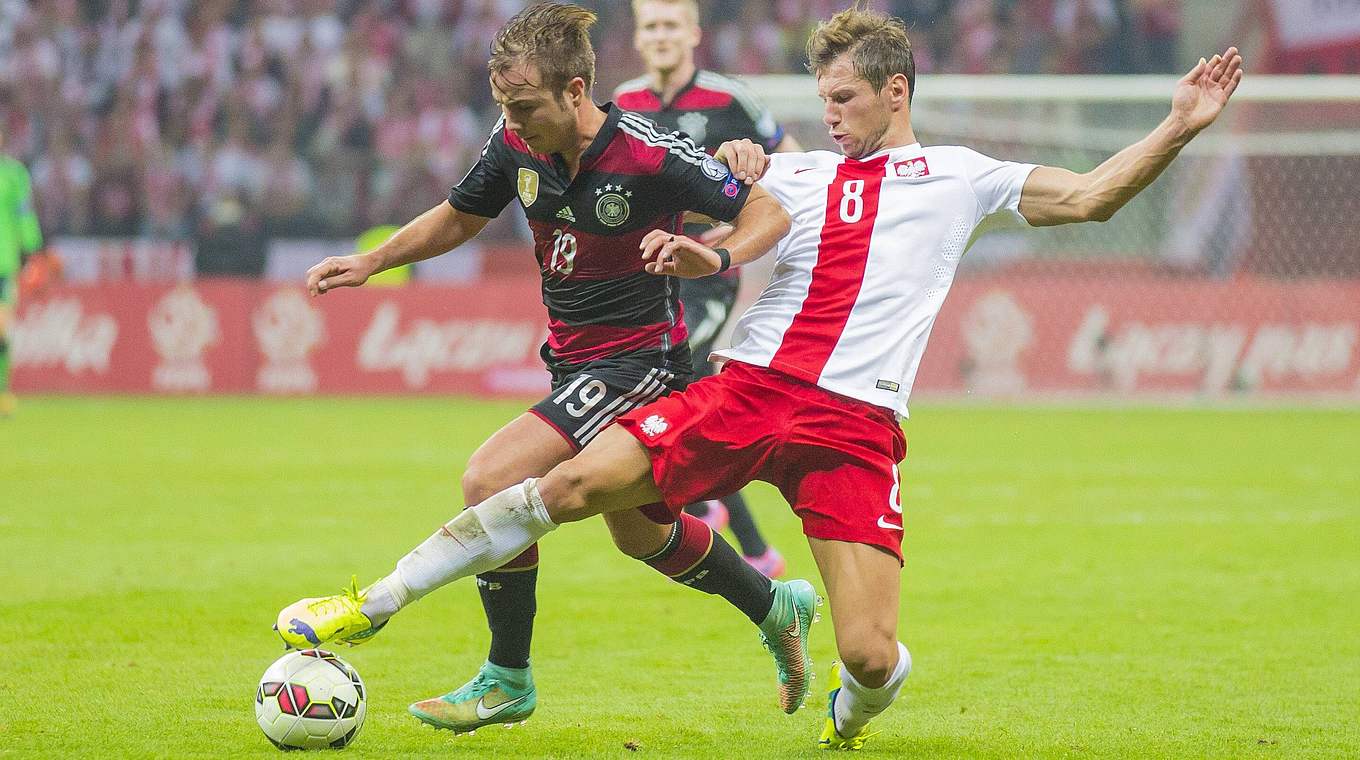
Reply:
x=340, y=272
x=1202, y=93
x=668, y=253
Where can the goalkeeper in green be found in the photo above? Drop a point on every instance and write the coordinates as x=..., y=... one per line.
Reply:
x=19, y=237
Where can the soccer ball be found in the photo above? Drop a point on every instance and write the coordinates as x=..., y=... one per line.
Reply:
x=310, y=700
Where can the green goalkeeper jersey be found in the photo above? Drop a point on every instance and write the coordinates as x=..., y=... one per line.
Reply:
x=19, y=232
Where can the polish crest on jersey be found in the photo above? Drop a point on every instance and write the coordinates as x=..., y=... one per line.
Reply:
x=862, y=274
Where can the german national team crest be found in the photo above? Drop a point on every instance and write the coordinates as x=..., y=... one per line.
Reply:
x=527, y=186
x=612, y=206
x=695, y=125
x=912, y=168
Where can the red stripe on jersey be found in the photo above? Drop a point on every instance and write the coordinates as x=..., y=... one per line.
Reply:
x=583, y=343
x=594, y=257
x=842, y=255
x=701, y=98
x=638, y=100
x=629, y=156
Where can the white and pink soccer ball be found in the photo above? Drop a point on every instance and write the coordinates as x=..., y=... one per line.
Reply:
x=310, y=700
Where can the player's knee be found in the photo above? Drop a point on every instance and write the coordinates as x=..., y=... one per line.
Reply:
x=870, y=658
x=479, y=484
x=637, y=536
x=564, y=492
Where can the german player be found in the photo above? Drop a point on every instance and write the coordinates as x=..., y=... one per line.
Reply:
x=20, y=237
x=710, y=109
x=823, y=363
x=592, y=181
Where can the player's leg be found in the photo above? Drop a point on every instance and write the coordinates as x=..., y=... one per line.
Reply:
x=8, y=298
x=862, y=583
x=690, y=553
x=708, y=304
x=524, y=448
x=502, y=690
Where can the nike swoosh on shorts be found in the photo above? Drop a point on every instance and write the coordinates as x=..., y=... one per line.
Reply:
x=883, y=523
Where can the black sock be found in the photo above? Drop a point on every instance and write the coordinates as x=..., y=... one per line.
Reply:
x=743, y=526
x=700, y=558
x=510, y=601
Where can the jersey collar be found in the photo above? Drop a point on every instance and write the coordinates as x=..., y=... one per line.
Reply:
x=913, y=148
x=604, y=136
x=684, y=88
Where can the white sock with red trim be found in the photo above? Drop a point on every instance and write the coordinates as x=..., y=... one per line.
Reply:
x=479, y=539
x=856, y=703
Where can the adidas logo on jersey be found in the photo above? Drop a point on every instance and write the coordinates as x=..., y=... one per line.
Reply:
x=566, y=214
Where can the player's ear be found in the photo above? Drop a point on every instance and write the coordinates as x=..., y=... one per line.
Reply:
x=576, y=90
x=898, y=91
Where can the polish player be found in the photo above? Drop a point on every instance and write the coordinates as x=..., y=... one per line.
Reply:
x=823, y=363
x=592, y=182
x=711, y=109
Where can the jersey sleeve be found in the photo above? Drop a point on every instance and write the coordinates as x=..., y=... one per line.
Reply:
x=765, y=130
x=703, y=183
x=490, y=185
x=997, y=184
x=776, y=182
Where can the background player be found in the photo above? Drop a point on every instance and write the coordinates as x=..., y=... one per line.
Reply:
x=826, y=357
x=20, y=236
x=592, y=183
x=712, y=109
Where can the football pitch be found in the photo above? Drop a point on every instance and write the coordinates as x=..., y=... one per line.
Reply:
x=1079, y=583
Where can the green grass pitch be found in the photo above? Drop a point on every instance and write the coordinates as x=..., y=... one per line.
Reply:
x=1079, y=583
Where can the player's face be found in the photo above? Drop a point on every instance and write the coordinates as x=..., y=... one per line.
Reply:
x=666, y=35
x=856, y=115
x=542, y=118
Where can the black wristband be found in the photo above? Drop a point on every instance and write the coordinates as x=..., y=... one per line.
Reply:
x=725, y=257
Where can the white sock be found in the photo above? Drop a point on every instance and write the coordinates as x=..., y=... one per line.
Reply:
x=482, y=538
x=857, y=703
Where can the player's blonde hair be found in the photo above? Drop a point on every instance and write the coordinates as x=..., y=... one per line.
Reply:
x=554, y=37
x=877, y=45
x=690, y=5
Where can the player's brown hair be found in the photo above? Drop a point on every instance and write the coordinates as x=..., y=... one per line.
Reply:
x=877, y=44
x=692, y=5
x=554, y=37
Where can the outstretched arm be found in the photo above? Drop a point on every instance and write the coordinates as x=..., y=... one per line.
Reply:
x=1058, y=196
x=760, y=224
x=439, y=230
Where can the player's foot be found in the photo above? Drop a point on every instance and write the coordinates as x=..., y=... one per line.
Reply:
x=716, y=517
x=312, y=622
x=494, y=695
x=770, y=564
x=831, y=738
x=8, y=404
x=785, y=633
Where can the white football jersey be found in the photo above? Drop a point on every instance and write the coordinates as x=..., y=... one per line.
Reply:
x=861, y=276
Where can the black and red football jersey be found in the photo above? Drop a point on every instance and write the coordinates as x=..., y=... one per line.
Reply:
x=633, y=178
x=710, y=109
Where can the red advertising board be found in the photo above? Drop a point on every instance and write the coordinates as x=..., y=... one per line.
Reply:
x=250, y=336
x=1005, y=337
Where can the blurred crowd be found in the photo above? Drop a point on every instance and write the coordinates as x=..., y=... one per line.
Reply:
x=231, y=121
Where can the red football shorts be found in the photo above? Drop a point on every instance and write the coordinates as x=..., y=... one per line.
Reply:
x=834, y=458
